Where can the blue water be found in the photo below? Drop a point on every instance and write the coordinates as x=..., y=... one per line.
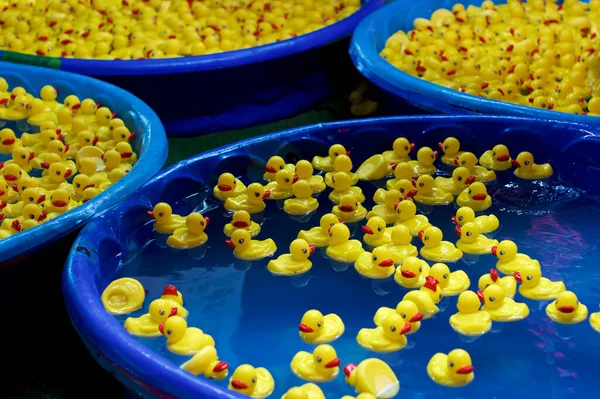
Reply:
x=253, y=315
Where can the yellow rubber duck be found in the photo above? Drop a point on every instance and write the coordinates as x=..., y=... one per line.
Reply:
x=451, y=283
x=158, y=312
x=22, y=156
x=316, y=328
x=320, y=366
x=452, y=370
x=428, y=194
x=388, y=337
x=389, y=198
x=252, y=201
x=241, y=220
x=17, y=112
x=28, y=196
x=206, y=362
x=306, y=391
x=424, y=163
x=508, y=283
x=485, y=223
x=475, y=197
x=526, y=168
x=595, y=321
x=402, y=171
x=401, y=247
x=228, y=186
x=407, y=310
x=319, y=235
x=304, y=170
x=374, y=377
x=373, y=168
x=274, y=165
x=245, y=248
x=342, y=163
x=256, y=382
x=567, y=309
x=342, y=185
x=498, y=158
x=509, y=258
x=112, y=160
x=165, y=221
x=426, y=297
x=349, y=209
x=341, y=248
x=325, y=164
x=500, y=307
x=376, y=233
x=387, y=210
x=13, y=175
x=470, y=321
x=303, y=203
x=469, y=161
x=471, y=240
x=400, y=152
x=412, y=273
x=8, y=141
x=461, y=179
x=534, y=286
x=281, y=187
x=38, y=113
x=294, y=263
x=58, y=203
x=376, y=265
x=406, y=212
x=451, y=149
x=436, y=250
x=184, y=340
x=192, y=235
x=122, y=296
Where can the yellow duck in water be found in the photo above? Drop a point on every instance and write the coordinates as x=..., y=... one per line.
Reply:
x=372, y=377
x=58, y=203
x=256, y=382
x=452, y=370
x=306, y=391
x=475, y=197
x=349, y=209
x=534, y=286
x=404, y=190
x=376, y=265
x=401, y=247
x=406, y=213
x=296, y=262
x=245, y=248
x=428, y=194
x=412, y=273
x=376, y=233
x=508, y=283
x=500, y=307
x=528, y=169
x=320, y=366
x=388, y=337
x=424, y=165
x=400, y=152
x=281, y=188
x=407, y=310
x=341, y=248
x=469, y=161
x=22, y=156
x=498, y=158
x=567, y=309
x=303, y=203
x=192, y=235
x=402, y=171
x=387, y=210
x=451, y=149
x=486, y=223
x=325, y=164
x=595, y=321
x=241, y=220
x=426, y=298
x=451, y=283
x=28, y=196
x=158, y=312
x=316, y=328
x=509, y=258
x=319, y=235
x=206, y=362
x=470, y=321
x=342, y=163
x=274, y=165
x=252, y=201
x=436, y=250
x=165, y=221
x=228, y=186
x=471, y=240
x=182, y=340
x=304, y=170
x=460, y=180
x=8, y=141
x=342, y=185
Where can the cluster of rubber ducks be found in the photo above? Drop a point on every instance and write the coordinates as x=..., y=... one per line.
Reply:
x=536, y=53
x=81, y=150
x=134, y=29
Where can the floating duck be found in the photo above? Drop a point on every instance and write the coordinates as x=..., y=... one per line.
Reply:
x=342, y=185
x=341, y=248
x=316, y=328
x=388, y=337
x=228, y=186
x=387, y=210
x=241, y=220
x=470, y=320
x=192, y=235
x=319, y=235
x=8, y=141
x=452, y=370
x=567, y=309
x=426, y=297
x=595, y=321
x=376, y=265
x=389, y=198
x=461, y=179
x=245, y=248
x=342, y=163
x=451, y=149
x=400, y=152
x=469, y=161
x=320, y=366
x=534, y=286
x=274, y=165
x=407, y=310
x=251, y=201
x=412, y=273
x=428, y=194
x=206, y=362
x=28, y=196
x=475, y=197
x=303, y=203
x=165, y=221
x=304, y=170
x=123, y=295
x=528, y=169
x=509, y=258
x=182, y=340
x=325, y=164
x=58, y=203
x=373, y=168
x=372, y=376
x=376, y=233
x=424, y=163
x=281, y=187
x=508, y=283
x=22, y=156
x=158, y=312
x=485, y=223
x=451, y=283
x=38, y=113
x=296, y=262
x=500, y=307
x=250, y=381
x=406, y=212
x=306, y=391
x=402, y=171
x=472, y=241
x=349, y=209
x=16, y=112
x=498, y=158
x=401, y=247
x=436, y=250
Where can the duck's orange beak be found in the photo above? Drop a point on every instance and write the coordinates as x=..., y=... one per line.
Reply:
x=421, y=235
x=470, y=180
x=412, y=147
x=517, y=277
x=9, y=141
x=230, y=244
x=221, y=366
x=417, y=317
x=3, y=101
x=406, y=329
x=441, y=146
x=453, y=219
x=31, y=155
x=131, y=137
x=126, y=154
x=408, y=274
x=45, y=165
x=206, y=221
x=173, y=312
x=10, y=177
x=386, y=263
x=270, y=169
x=465, y=370
x=516, y=164
x=304, y=328
x=240, y=224
x=225, y=187
x=494, y=250
x=479, y=197
x=503, y=158
x=295, y=179
x=151, y=214
x=566, y=309
x=95, y=140
x=456, y=161
x=68, y=173
x=13, y=96
x=237, y=384
x=346, y=208
x=161, y=328
x=411, y=194
x=393, y=166
x=494, y=275
x=348, y=153
x=76, y=107
x=333, y=363
x=42, y=216
x=458, y=230
x=1, y=217
x=480, y=295
x=267, y=194
x=366, y=229
x=312, y=248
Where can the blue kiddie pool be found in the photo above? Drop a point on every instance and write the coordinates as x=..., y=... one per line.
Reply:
x=253, y=315
x=402, y=88
x=150, y=144
x=231, y=90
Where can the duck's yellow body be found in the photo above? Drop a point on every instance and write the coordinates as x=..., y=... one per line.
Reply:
x=159, y=311
x=470, y=320
x=372, y=376
x=317, y=328
x=320, y=366
x=452, y=370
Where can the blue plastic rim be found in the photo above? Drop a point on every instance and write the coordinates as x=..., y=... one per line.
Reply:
x=150, y=143
x=116, y=236
x=370, y=38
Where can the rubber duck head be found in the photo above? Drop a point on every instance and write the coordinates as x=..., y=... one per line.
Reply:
x=304, y=169
x=285, y=179
x=459, y=365
x=411, y=268
x=89, y=106
x=409, y=311
x=87, y=166
x=529, y=276
x=33, y=212
x=301, y=250
x=327, y=221
x=468, y=302
x=477, y=191
x=115, y=175
x=401, y=235
x=21, y=103
x=394, y=327
x=161, y=309
x=17, y=92
x=173, y=328
x=336, y=150
x=406, y=210
x=342, y=163
x=115, y=123
x=124, y=149
x=48, y=93
x=86, y=137
x=227, y=182
x=402, y=170
x=450, y=146
x=468, y=232
x=274, y=164
x=382, y=257
x=493, y=296
x=244, y=379
x=464, y=215
x=425, y=184
x=441, y=272
x=7, y=136
x=341, y=181
x=240, y=240
x=302, y=189
x=500, y=153
x=241, y=219
x=35, y=107
x=65, y=116
x=426, y=156
x=49, y=135
x=12, y=173
x=339, y=233
x=505, y=251
x=402, y=147
x=60, y=198
x=111, y=159
x=78, y=124
x=348, y=203
x=58, y=172
x=407, y=188
x=462, y=176
x=431, y=236
x=72, y=102
x=312, y=322
x=161, y=212
x=81, y=182
x=466, y=159
x=256, y=193
x=22, y=156
x=566, y=303
x=196, y=223
x=103, y=115
x=392, y=197
x=375, y=227
x=325, y=357
x=58, y=147
x=524, y=160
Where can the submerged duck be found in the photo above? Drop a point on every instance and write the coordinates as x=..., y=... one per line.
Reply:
x=471, y=240
x=304, y=170
x=508, y=283
x=534, y=286
x=469, y=161
x=376, y=233
x=206, y=362
x=509, y=258
x=158, y=312
x=500, y=307
x=400, y=152
x=406, y=213
x=306, y=391
x=528, y=169
x=407, y=310
x=424, y=163
x=325, y=164
x=303, y=203
x=388, y=337
x=470, y=320
x=475, y=197
x=319, y=235
x=452, y=370
x=316, y=328
x=228, y=186
x=182, y=340
x=281, y=187
x=412, y=273
x=192, y=235
x=245, y=248
x=402, y=171
x=341, y=248
x=376, y=265
x=342, y=163
x=342, y=185
x=451, y=149
x=486, y=223
x=461, y=179
x=256, y=382
x=372, y=378
x=387, y=210
x=428, y=194
x=401, y=247
x=252, y=201
x=274, y=165
x=320, y=366
x=241, y=220
x=349, y=209
x=567, y=309
x=296, y=262
x=436, y=250
x=165, y=221
x=451, y=283
x=498, y=158
x=426, y=298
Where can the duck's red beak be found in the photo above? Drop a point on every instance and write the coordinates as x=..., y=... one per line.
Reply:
x=470, y=180
x=458, y=230
x=465, y=370
x=406, y=329
x=221, y=366
x=76, y=107
x=441, y=146
x=206, y=221
x=516, y=164
x=126, y=154
x=240, y=224
x=348, y=369
x=31, y=155
x=453, y=219
x=411, y=194
x=304, y=328
x=16, y=225
x=348, y=153
x=494, y=275
x=480, y=295
x=414, y=182
x=417, y=317
x=386, y=263
x=45, y=165
x=2, y=192
x=393, y=166
x=95, y=140
x=59, y=203
x=518, y=277
x=237, y=384
x=503, y=158
x=346, y=208
x=68, y=173
x=42, y=216
x=295, y=179
x=10, y=178
x=131, y=137
x=494, y=250
x=13, y=96
x=151, y=214
x=479, y=197
x=230, y=244
x=408, y=274
x=312, y=248
x=225, y=187
x=333, y=363
x=9, y=141
x=161, y=328
x=270, y=169
x=267, y=194
x=412, y=147
x=421, y=235
x=566, y=309
x=435, y=154
x=366, y=230
x=456, y=161
x=3, y=101
x=173, y=312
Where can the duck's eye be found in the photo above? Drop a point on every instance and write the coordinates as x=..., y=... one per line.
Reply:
x=22, y=188
x=330, y=234
x=492, y=299
x=241, y=240
x=304, y=251
x=335, y=154
x=446, y=147
x=463, y=162
x=529, y=277
x=234, y=182
x=122, y=136
x=432, y=156
x=403, y=315
x=161, y=214
x=460, y=218
x=451, y=364
x=169, y=332
x=287, y=180
x=469, y=191
x=392, y=328
x=57, y=173
x=494, y=153
x=319, y=359
x=332, y=224
x=469, y=234
x=501, y=252
x=420, y=269
x=459, y=178
x=405, y=148
x=60, y=149
x=421, y=184
x=319, y=324
x=426, y=238
x=254, y=380
x=161, y=312
x=402, y=190
x=526, y=162
x=374, y=258
x=31, y=216
x=31, y=199
x=379, y=228
x=256, y=195
x=23, y=156
x=202, y=223
x=445, y=275
x=77, y=185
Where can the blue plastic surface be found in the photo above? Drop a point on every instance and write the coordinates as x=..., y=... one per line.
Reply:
x=232, y=90
x=150, y=143
x=117, y=236
x=369, y=39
